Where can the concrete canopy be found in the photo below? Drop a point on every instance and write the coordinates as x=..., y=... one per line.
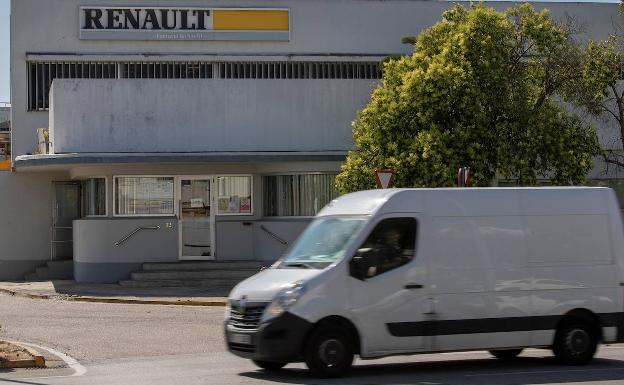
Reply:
x=65, y=161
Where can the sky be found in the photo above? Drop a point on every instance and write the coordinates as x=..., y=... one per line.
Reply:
x=4, y=51
x=5, y=95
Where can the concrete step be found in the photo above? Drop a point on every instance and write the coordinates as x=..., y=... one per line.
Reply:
x=57, y=270
x=42, y=272
x=205, y=274
x=32, y=277
x=53, y=270
x=208, y=265
x=61, y=269
x=233, y=275
x=225, y=285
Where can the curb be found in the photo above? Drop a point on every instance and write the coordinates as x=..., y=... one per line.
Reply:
x=38, y=361
x=24, y=295
x=222, y=302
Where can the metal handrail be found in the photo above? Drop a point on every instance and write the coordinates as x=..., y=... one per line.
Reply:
x=275, y=236
x=133, y=233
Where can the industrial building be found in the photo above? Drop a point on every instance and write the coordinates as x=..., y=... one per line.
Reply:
x=194, y=130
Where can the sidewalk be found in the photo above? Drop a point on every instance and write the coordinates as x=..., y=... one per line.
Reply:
x=112, y=293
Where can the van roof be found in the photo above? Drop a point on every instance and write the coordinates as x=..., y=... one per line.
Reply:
x=484, y=201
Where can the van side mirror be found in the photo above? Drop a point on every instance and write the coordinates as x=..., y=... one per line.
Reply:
x=359, y=263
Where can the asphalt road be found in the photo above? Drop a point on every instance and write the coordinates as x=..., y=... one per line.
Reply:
x=96, y=331
x=145, y=344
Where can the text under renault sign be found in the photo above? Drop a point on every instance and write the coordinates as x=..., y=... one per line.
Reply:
x=176, y=23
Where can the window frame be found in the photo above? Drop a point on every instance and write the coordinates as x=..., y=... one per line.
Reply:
x=216, y=196
x=106, y=196
x=175, y=209
x=368, y=231
x=262, y=176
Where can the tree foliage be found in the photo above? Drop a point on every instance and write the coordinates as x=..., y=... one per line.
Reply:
x=479, y=90
x=601, y=92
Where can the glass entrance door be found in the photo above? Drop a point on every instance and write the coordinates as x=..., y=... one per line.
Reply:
x=196, y=216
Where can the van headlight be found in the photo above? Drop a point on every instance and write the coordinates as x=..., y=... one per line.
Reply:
x=283, y=301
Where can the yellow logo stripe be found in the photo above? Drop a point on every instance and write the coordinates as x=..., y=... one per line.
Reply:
x=250, y=20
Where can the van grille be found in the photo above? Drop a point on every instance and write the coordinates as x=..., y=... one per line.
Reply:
x=243, y=348
x=247, y=318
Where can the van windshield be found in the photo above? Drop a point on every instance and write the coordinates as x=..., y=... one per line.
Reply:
x=322, y=243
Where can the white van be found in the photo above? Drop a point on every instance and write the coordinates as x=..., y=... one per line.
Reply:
x=407, y=271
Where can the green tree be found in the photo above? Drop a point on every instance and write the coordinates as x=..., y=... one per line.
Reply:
x=600, y=91
x=480, y=90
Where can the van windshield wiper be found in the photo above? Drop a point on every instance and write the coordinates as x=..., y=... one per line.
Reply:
x=300, y=264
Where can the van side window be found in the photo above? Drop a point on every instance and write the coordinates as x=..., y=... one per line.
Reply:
x=392, y=244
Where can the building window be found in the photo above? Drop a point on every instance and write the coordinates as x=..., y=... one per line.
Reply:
x=297, y=195
x=144, y=196
x=234, y=195
x=94, y=197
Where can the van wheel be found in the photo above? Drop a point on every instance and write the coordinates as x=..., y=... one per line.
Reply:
x=575, y=343
x=269, y=366
x=329, y=352
x=506, y=354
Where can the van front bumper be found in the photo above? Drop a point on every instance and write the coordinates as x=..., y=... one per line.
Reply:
x=279, y=340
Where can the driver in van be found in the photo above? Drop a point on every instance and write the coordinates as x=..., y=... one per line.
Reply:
x=387, y=252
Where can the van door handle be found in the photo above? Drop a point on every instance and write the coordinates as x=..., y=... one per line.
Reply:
x=413, y=286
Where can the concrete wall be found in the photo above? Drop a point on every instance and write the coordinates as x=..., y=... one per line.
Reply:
x=200, y=116
x=246, y=240
x=98, y=259
x=288, y=229
x=25, y=221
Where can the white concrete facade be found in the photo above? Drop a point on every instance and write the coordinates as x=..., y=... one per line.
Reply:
x=115, y=122
x=212, y=115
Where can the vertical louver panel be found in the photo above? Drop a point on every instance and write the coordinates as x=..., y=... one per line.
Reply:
x=41, y=74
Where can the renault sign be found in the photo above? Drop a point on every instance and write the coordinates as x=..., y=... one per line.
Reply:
x=178, y=23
